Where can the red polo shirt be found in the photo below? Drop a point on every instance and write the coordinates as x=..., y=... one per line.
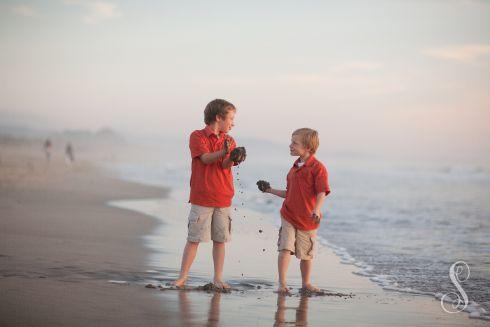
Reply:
x=211, y=185
x=303, y=185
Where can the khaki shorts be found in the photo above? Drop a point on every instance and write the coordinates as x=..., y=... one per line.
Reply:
x=303, y=243
x=208, y=223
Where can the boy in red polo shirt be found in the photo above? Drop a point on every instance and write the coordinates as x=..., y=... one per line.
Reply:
x=213, y=154
x=307, y=187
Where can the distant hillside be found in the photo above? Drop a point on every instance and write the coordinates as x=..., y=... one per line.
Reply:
x=86, y=138
x=103, y=136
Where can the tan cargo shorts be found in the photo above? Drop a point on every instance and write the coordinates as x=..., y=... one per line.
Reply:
x=208, y=223
x=302, y=243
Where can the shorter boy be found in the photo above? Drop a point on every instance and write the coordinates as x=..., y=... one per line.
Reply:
x=307, y=187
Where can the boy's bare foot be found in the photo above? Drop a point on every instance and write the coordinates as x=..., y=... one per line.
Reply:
x=311, y=288
x=221, y=284
x=179, y=283
x=283, y=289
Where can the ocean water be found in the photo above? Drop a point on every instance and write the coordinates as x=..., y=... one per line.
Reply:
x=403, y=225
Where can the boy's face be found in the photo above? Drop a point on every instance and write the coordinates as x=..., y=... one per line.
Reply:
x=296, y=148
x=226, y=124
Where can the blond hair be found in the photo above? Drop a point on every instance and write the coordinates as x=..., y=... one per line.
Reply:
x=309, y=138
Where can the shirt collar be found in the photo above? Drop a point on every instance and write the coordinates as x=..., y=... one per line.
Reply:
x=208, y=132
x=307, y=162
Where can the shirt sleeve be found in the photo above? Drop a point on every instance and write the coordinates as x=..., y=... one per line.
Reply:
x=321, y=180
x=198, y=145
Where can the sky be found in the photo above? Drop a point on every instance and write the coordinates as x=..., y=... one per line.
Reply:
x=381, y=77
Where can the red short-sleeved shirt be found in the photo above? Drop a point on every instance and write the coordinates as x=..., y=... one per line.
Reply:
x=303, y=185
x=211, y=185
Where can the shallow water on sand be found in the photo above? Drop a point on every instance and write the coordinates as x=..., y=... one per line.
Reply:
x=403, y=225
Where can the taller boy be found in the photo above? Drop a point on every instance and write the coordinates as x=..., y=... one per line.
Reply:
x=213, y=154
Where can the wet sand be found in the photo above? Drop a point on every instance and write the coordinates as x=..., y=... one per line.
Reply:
x=60, y=244
x=250, y=268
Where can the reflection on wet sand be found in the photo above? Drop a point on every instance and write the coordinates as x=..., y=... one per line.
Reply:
x=186, y=310
x=301, y=312
x=283, y=315
x=213, y=313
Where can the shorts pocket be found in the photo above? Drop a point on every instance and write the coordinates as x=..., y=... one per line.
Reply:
x=193, y=218
x=312, y=248
x=279, y=238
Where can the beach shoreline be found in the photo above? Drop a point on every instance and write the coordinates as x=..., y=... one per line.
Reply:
x=250, y=268
x=78, y=245
x=473, y=310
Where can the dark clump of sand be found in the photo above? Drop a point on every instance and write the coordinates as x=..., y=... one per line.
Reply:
x=209, y=288
x=310, y=293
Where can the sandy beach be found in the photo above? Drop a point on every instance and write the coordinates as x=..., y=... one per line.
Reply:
x=68, y=258
x=60, y=244
x=111, y=111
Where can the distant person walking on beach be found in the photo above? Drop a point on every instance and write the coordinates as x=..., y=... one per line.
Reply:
x=213, y=154
x=47, y=149
x=69, y=155
x=307, y=187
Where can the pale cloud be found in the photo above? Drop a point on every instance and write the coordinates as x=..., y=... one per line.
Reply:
x=342, y=86
x=339, y=86
x=24, y=10
x=357, y=66
x=466, y=53
x=475, y=2
x=301, y=79
x=101, y=11
x=98, y=11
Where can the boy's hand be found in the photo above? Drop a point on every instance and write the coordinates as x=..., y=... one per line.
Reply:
x=226, y=145
x=316, y=217
x=238, y=155
x=264, y=186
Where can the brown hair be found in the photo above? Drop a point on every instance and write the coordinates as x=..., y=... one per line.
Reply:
x=217, y=107
x=309, y=138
